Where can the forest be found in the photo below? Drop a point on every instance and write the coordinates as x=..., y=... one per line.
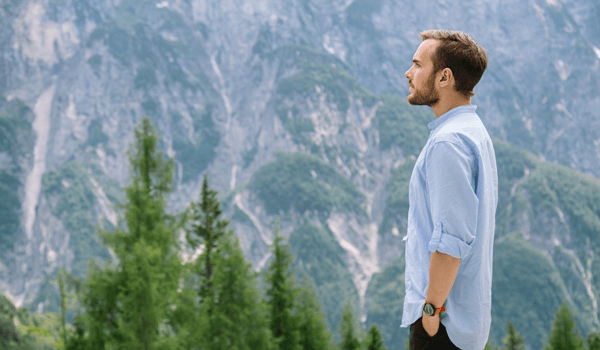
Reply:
x=153, y=296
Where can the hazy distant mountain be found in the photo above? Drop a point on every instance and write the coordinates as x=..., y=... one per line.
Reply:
x=297, y=111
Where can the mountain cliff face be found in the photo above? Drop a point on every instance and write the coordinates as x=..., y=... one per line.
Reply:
x=296, y=111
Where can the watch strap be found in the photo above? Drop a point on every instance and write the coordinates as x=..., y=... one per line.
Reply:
x=437, y=311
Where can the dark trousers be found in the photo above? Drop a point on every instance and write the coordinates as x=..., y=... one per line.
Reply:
x=420, y=340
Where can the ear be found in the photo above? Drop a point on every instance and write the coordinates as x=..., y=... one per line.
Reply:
x=446, y=77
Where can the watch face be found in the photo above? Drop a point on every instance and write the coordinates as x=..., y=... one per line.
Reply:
x=429, y=310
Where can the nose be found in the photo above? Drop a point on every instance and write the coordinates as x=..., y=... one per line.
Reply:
x=406, y=74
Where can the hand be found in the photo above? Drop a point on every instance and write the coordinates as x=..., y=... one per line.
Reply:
x=431, y=324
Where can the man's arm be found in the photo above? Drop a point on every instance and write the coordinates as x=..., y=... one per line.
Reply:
x=442, y=272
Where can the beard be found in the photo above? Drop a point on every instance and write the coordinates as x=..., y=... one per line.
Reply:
x=427, y=97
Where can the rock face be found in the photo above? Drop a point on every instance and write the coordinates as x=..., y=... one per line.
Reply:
x=230, y=84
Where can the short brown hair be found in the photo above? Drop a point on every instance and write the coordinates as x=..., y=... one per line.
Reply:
x=459, y=52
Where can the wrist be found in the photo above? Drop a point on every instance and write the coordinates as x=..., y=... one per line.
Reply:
x=430, y=317
x=430, y=310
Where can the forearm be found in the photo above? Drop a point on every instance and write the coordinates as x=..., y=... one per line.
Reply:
x=442, y=272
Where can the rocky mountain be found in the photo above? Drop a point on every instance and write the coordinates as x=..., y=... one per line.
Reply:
x=296, y=111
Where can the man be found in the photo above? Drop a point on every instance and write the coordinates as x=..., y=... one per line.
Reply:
x=453, y=195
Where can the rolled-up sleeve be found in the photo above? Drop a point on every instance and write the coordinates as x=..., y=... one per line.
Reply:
x=452, y=198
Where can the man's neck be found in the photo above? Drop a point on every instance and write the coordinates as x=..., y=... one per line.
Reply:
x=444, y=106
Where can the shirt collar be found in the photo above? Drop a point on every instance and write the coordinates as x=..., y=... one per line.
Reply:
x=450, y=114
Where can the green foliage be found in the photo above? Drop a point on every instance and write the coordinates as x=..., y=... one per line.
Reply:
x=335, y=81
x=319, y=256
x=542, y=195
x=44, y=331
x=281, y=295
x=297, y=126
x=384, y=292
x=314, y=334
x=527, y=285
x=593, y=341
x=402, y=125
x=12, y=124
x=511, y=163
x=127, y=306
x=288, y=183
x=15, y=133
x=11, y=338
x=208, y=228
x=397, y=204
x=239, y=319
x=75, y=206
x=374, y=340
x=513, y=339
x=562, y=335
x=350, y=331
x=579, y=198
x=129, y=39
x=10, y=206
x=519, y=134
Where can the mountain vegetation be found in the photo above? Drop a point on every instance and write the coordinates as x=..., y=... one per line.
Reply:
x=149, y=299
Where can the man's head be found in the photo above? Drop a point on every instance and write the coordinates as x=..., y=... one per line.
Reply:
x=447, y=64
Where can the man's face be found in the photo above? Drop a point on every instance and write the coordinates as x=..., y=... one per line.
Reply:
x=421, y=78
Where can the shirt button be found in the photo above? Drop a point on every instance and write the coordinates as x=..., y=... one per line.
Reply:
x=437, y=223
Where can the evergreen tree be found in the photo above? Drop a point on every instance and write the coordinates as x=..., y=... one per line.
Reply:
x=63, y=305
x=374, y=339
x=127, y=305
x=78, y=340
x=562, y=335
x=513, y=339
x=593, y=341
x=204, y=231
x=314, y=334
x=240, y=319
x=66, y=283
x=349, y=330
x=281, y=295
x=207, y=228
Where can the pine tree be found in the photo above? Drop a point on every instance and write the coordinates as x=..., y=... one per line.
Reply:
x=63, y=305
x=240, y=318
x=314, y=334
x=374, y=339
x=488, y=346
x=562, y=335
x=78, y=340
x=206, y=228
x=281, y=295
x=593, y=341
x=513, y=339
x=127, y=305
x=196, y=304
x=66, y=283
x=349, y=330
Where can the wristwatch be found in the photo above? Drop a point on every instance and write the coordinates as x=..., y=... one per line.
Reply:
x=430, y=310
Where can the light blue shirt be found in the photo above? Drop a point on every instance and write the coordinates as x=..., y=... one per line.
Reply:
x=453, y=195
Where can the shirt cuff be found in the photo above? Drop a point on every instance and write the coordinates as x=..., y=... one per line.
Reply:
x=447, y=244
